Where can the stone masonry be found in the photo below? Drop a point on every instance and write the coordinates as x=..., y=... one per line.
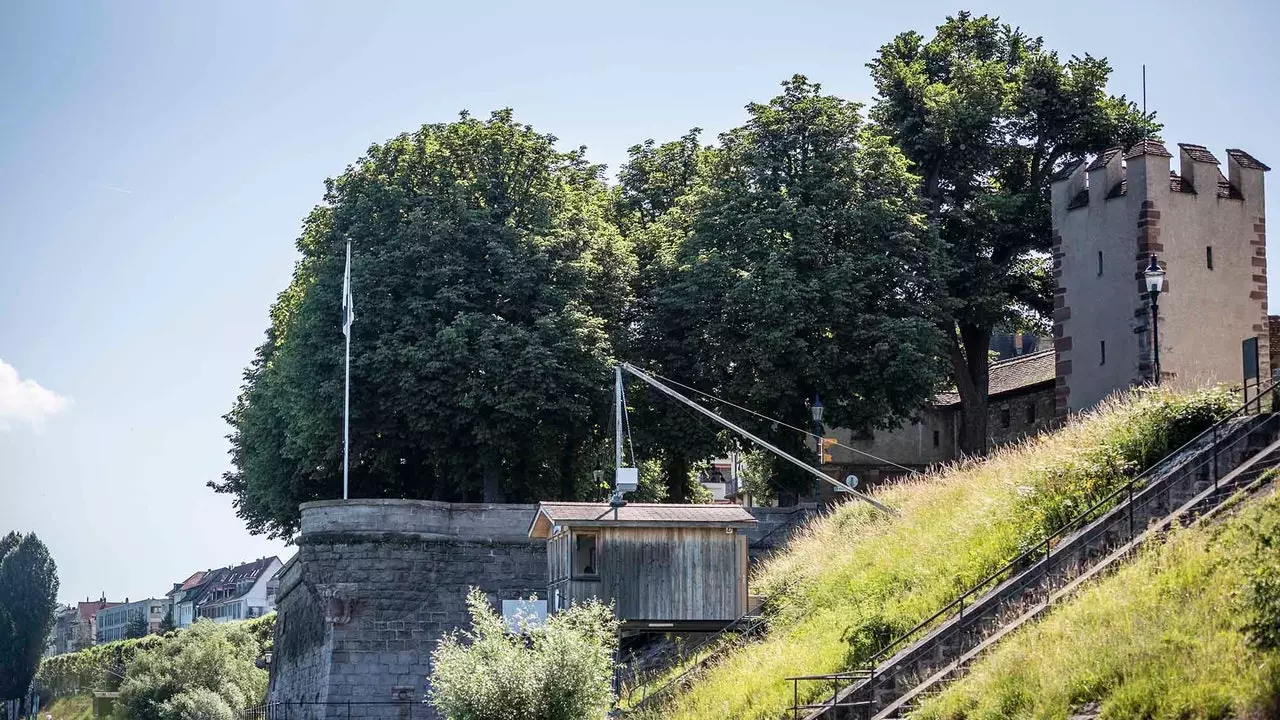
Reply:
x=376, y=583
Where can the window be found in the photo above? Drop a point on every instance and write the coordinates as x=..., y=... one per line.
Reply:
x=1004, y=418
x=584, y=555
x=937, y=438
x=1031, y=414
x=1208, y=256
x=1099, y=263
x=1103, y=348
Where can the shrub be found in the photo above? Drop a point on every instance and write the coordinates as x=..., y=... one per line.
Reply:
x=559, y=671
x=206, y=672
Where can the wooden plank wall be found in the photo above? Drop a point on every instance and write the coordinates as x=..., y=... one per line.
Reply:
x=672, y=573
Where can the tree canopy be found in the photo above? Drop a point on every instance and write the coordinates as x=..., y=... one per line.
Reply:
x=986, y=114
x=489, y=288
x=798, y=263
x=28, y=599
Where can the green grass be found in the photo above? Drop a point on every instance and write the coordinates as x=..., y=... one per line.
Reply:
x=862, y=579
x=72, y=707
x=1161, y=638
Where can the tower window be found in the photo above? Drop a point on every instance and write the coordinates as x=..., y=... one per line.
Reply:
x=1208, y=256
x=1031, y=414
x=1103, y=347
x=936, y=438
x=1004, y=418
x=1099, y=263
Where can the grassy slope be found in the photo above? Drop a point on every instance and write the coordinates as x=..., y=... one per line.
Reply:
x=72, y=707
x=862, y=579
x=1159, y=639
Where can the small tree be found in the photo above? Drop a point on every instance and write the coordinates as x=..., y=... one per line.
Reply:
x=559, y=671
x=167, y=623
x=137, y=626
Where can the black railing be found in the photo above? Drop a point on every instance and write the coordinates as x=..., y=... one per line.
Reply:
x=1043, y=550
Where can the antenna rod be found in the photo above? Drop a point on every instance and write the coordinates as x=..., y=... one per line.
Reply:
x=1144, y=92
x=759, y=441
x=617, y=421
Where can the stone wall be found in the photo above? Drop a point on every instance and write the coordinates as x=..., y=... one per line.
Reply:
x=376, y=583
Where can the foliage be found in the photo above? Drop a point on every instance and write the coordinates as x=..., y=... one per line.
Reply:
x=986, y=114
x=167, y=623
x=1159, y=639
x=489, y=288
x=854, y=579
x=95, y=667
x=137, y=625
x=559, y=671
x=28, y=600
x=797, y=262
x=1262, y=580
x=206, y=672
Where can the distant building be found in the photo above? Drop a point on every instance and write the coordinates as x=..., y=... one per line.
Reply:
x=62, y=638
x=114, y=622
x=183, y=597
x=236, y=593
x=84, y=628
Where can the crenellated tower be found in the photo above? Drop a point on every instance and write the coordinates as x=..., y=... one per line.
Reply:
x=1209, y=233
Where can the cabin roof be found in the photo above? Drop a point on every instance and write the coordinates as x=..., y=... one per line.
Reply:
x=551, y=514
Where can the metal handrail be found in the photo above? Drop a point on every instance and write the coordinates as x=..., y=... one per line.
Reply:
x=1043, y=546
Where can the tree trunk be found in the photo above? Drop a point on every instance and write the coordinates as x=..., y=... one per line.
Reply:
x=971, y=368
x=676, y=470
x=493, y=480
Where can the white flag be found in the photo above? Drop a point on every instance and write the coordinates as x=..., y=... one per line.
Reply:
x=348, y=302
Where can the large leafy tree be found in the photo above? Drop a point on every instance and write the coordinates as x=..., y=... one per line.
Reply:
x=489, y=289
x=800, y=263
x=28, y=600
x=986, y=114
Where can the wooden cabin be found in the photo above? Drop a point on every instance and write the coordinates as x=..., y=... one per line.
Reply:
x=674, y=567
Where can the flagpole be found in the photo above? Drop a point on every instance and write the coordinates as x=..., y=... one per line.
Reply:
x=346, y=399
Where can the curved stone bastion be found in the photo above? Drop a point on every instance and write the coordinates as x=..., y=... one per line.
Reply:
x=376, y=583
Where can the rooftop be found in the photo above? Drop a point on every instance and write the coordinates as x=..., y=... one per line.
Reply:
x=636, y=515
x=1012, y=375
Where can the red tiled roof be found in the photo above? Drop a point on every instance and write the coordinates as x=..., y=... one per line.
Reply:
x=1199, y=153
x=1147, y=147
x=1006, y=376
x=1103, y=158
x=1246, y=160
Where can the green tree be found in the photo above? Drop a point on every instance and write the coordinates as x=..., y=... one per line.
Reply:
x=206, y=672
x=167, y=623
x=137, y=626
x=559, y=671
x=28, y=600
x=987, y=114
x=800, y=263
x=489, y=288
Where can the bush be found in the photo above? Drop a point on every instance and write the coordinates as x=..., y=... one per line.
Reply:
x=206, y=672
x=560, y=671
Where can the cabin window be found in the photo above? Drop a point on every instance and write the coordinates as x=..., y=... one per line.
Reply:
x=1208, y=256
x=937, y=438
x=1099, y=263
x=1031, y=414
x=584, y=555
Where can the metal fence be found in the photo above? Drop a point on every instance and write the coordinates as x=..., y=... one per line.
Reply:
x=354, y=710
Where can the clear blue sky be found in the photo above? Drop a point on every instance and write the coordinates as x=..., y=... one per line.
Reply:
x=157, y=158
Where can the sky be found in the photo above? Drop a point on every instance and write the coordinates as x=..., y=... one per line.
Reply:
x=157, y=160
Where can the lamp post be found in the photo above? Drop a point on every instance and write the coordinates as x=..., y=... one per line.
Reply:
x=1155, y=283
x=816, y=410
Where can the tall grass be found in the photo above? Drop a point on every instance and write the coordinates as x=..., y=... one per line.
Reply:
x=1162, y=638
x=862, y=579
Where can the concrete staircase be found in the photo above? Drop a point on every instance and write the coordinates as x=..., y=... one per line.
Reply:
x=1188, y=483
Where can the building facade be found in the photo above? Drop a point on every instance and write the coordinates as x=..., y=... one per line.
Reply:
x=1208, y=231
x=114, y=623
x=240, y=592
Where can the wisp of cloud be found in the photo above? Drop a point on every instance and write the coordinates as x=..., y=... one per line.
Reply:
x=25, y=400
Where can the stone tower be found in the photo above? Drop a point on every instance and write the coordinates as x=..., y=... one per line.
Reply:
x=1209, y=234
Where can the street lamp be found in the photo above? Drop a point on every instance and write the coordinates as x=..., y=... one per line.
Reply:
x=1155, y=283
x=816, y=409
